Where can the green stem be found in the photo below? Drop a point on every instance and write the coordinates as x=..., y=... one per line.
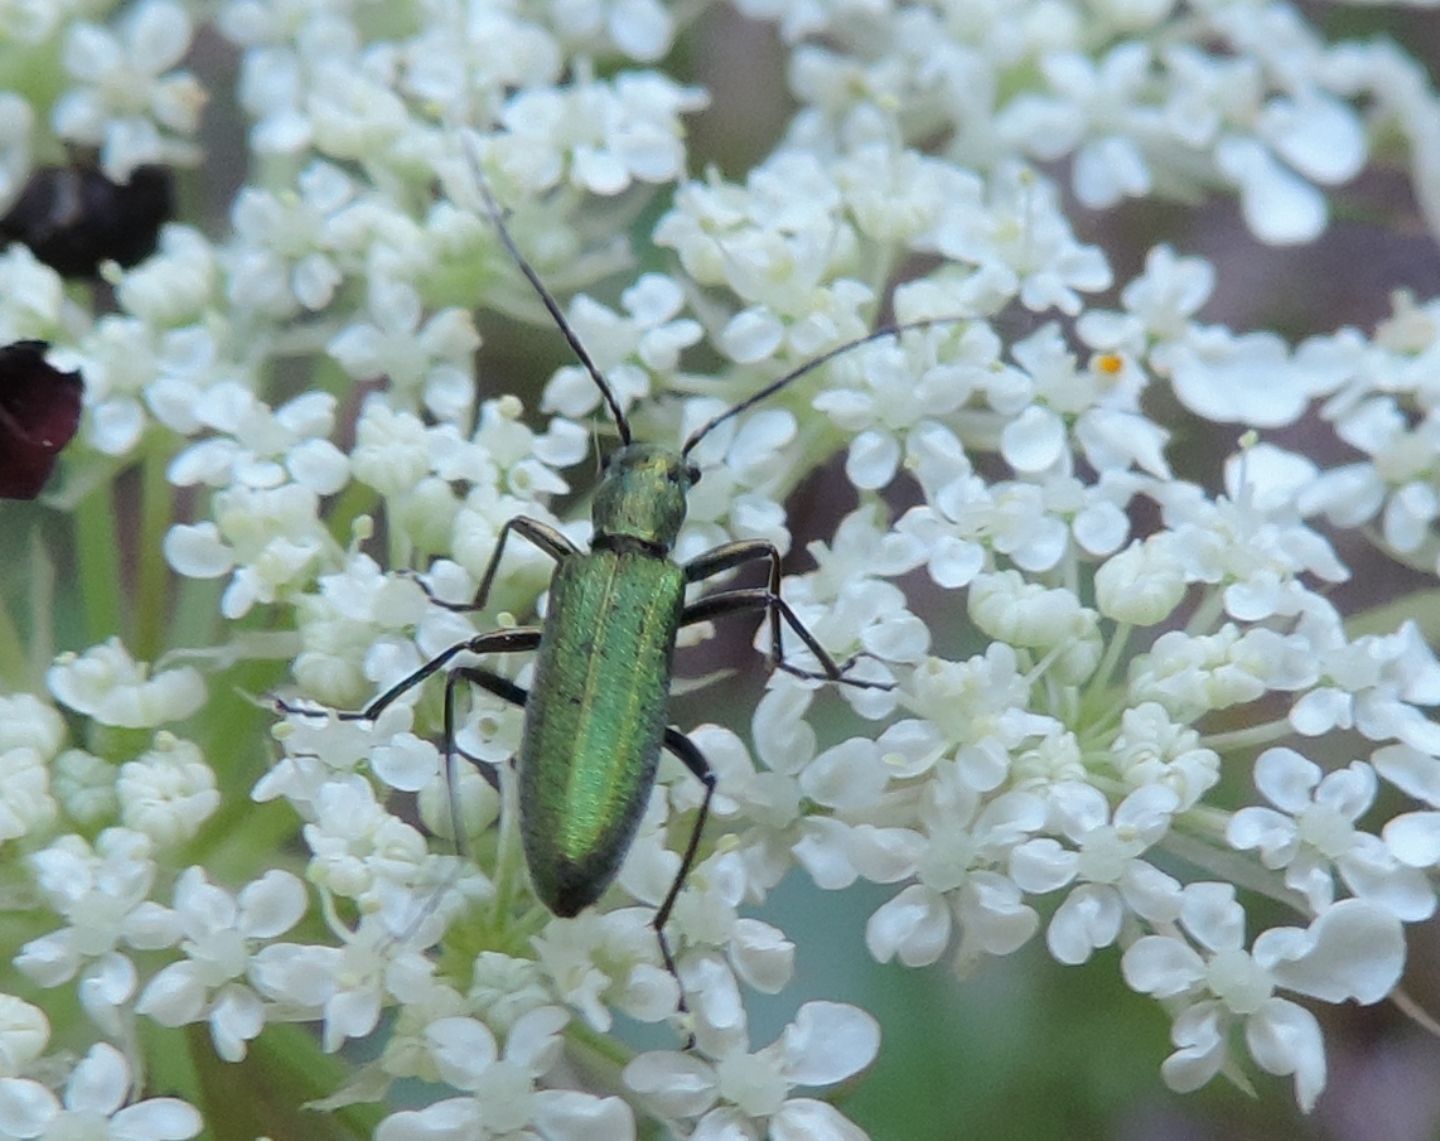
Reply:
x=1207, y=613
x=507, y=859
x=1119, y=640
x=156, y=505
x=13, y=659
x=97, y=548
x=1248, y=738
x=604, y=1048
x=1234, y=867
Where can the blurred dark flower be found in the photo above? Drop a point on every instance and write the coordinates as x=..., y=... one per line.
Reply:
x=73, y=217
x=39, y=412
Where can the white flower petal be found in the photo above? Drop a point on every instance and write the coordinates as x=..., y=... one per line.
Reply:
x=1355, y=950
x=1089, y=919
x=271, y=905
x=1285, y=1039
x=805, y=1119
x=1414, y=838
x=462, y=1048
x=100, y=1081
x=829, y=1042
x=1034, y=440
x=1161, y=966
x=569, y=1115
x=681, y=1085
x=914, y=927
x=26, y=1107
x=873, y=460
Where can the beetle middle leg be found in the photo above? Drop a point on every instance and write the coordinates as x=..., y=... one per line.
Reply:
x=510, y=641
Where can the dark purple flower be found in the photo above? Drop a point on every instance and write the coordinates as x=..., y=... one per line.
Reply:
x=39, y=412
x=73, y=217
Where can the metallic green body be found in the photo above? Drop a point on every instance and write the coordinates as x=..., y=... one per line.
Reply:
x=596, y=716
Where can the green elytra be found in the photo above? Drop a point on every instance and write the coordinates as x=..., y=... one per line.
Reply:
x=596, y=713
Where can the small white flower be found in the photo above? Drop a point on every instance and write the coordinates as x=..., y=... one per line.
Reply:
x=1158, y=304
x=118, y=358
x=102, y=894
x=26, y=805
x=424, y=359
x=1382, y=682
x=352, y=112
x=1190, y=676
x=1106, y=862
x=1231, y=378
x=741, y=1092
x=219, y=934
x=174, y=284
x=359, y=850
x=269, y=538
x=647, y=337
x=107, y=684
x=263, y=447
x=966, y=839
x=1023, y=231
x=282, y=259
x=95, y=1098
x=24, y=1031
x=27, y=722
x=1153, y=749
x=603, y=962
x=131, y=104
x=33, y=303
x=1311, y=833
x=392, y=448
x=1026, y=614
x=167, y=792
x=1353, y=951
x=600, y=136
x=344, y=986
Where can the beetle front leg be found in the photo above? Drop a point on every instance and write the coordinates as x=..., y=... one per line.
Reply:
x=731, y=555
x=544, y=536
x=759, y=598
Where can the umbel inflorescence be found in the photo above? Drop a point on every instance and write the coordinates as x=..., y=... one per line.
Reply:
x=1174, y=736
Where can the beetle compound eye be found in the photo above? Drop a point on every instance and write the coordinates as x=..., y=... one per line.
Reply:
x=692, y=473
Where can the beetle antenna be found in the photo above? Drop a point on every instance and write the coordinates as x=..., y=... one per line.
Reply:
x=552, y=306
x=810, y=366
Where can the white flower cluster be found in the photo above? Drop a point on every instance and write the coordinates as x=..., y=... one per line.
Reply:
x=305, y=381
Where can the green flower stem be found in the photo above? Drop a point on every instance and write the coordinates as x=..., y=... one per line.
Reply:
x=269, y=1093
x=97, y=549
x=13, y=654
x=1239, y=739
x=156, y=514
x=1100, y=679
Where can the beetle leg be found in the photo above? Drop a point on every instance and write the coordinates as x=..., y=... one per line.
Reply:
x=769, y=600
x=495, y=642
x=694, y=760
x=727, y=556
x=544, y=536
